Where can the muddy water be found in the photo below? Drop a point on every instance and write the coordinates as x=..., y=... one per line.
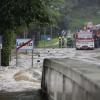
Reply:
x=28, y=95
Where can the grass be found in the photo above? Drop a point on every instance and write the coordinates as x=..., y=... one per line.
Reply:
x=48, y=43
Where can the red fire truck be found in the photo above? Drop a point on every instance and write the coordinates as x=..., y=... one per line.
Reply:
x=84, y=40
x=96, y=33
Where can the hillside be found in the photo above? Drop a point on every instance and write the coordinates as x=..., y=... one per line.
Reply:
x=84, y=11
x=85, y=3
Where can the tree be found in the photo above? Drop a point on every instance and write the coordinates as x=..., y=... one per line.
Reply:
x=14, y=13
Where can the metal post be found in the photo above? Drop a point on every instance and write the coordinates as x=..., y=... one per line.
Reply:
x=51, y=31
x=39, y=34
x=16, y=58
x=0, y=57
x=44, y=36
x=0, y=48
x=32, y=56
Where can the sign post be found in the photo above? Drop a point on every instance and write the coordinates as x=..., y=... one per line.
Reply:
x=16, y=58
x=32, y=55
x=24, y=44
x=0, y=48
x=32, y=58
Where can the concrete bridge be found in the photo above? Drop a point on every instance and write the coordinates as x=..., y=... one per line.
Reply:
x=70, y=79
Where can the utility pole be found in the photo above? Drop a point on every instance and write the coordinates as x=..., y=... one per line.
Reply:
x=51, y=32
x=39, y=33
x=44, y=36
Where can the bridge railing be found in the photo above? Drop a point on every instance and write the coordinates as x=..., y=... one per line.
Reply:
x=62, y=80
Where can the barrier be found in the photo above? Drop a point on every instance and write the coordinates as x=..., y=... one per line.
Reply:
x=69, y=79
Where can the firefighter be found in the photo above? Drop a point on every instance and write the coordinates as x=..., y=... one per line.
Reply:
x=60, y=42
x=63, y=41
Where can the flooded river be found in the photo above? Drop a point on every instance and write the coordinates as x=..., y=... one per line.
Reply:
x=14, y=80
x=28, y=95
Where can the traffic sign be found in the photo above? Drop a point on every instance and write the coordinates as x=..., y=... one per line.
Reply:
x=24, y=44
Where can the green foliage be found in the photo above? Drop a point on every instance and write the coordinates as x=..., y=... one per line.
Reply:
x=15, y=13
x=81, y=16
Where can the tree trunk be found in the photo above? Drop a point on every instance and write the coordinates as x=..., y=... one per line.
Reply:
x=6, y=50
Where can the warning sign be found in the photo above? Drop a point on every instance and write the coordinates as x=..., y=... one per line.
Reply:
x=24, y=44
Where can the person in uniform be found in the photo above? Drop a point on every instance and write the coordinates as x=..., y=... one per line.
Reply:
x=60, y=42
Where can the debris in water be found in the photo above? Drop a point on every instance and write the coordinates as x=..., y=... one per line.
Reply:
x=21, y=75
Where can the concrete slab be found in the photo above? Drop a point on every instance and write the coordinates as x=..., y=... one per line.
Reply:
x=82, y=77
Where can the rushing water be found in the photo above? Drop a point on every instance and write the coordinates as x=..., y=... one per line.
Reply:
x=23, y=77
x=28, y=95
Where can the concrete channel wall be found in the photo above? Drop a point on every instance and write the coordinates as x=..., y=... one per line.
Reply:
x=69, y=79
